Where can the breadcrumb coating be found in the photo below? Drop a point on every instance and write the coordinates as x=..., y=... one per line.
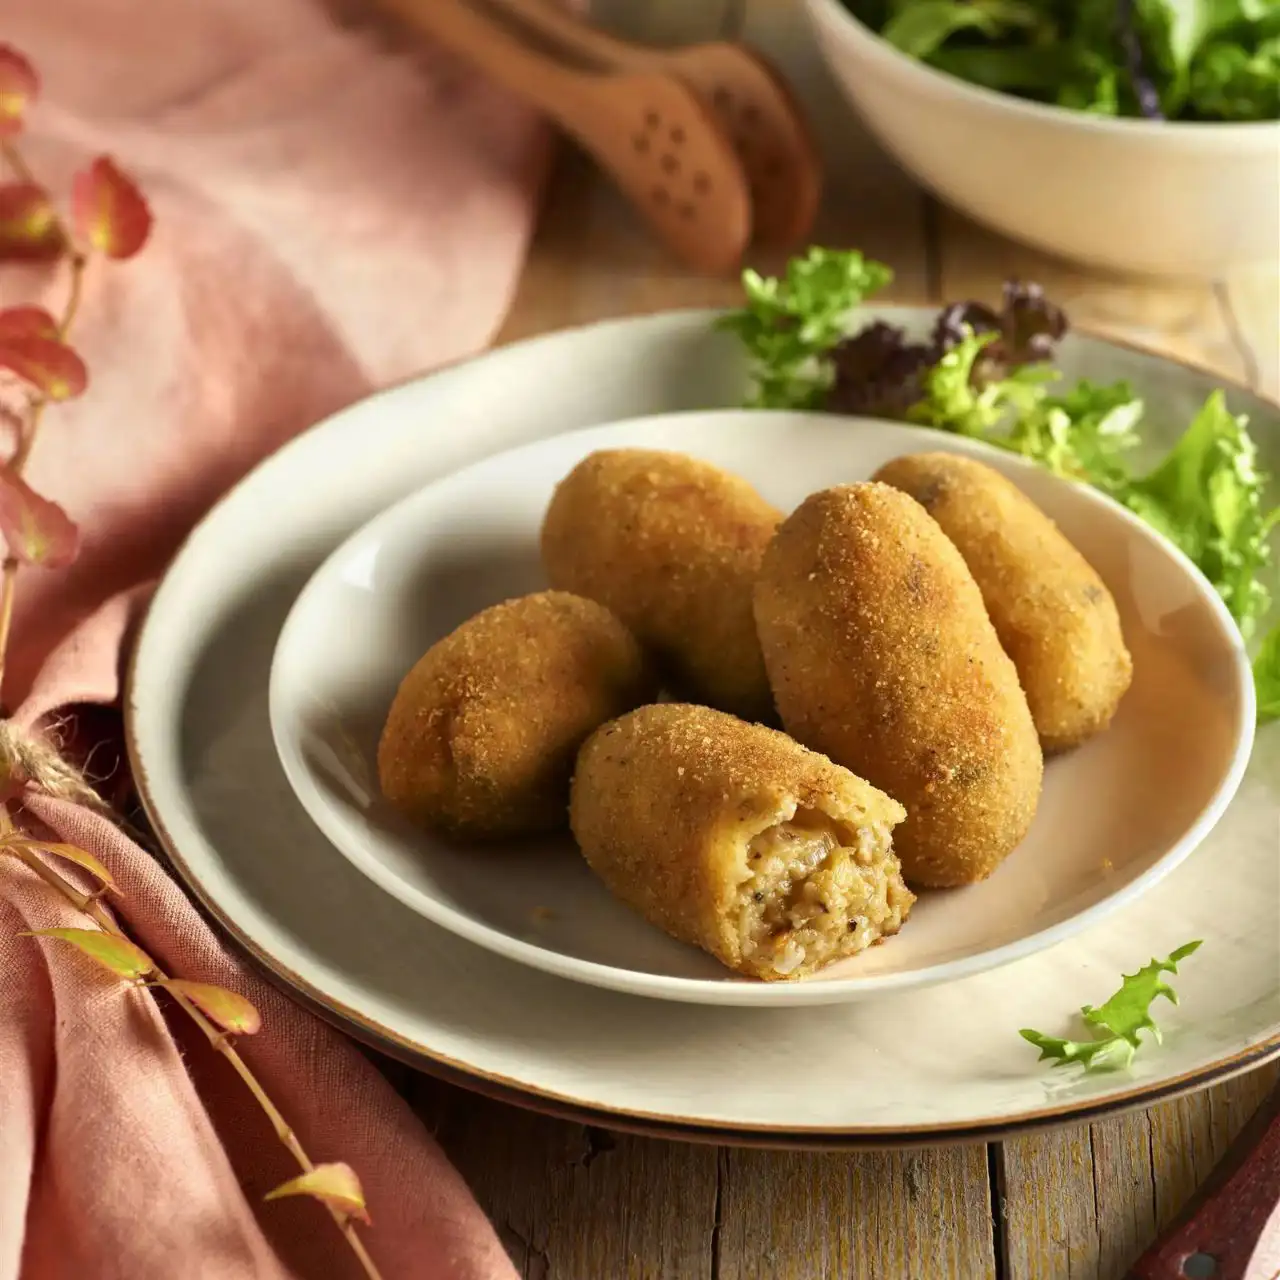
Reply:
x=881, y=656
x=482, y=735
x=1053, y=613
x=672, y=545
x=733, y=837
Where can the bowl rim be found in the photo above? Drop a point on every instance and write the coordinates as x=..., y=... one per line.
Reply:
x=835, y=12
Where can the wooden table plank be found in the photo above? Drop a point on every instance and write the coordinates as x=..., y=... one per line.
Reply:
x=1122, y=1179
x=1084, y=1202
x=794, y=1216
x=576, y=1203
x=1190, y=1135
x=1049, y=1216
x=1077, y=1202
x=1251, y=300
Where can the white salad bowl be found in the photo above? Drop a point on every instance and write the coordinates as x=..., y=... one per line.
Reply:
x=1137, y=196
x=1116, y=815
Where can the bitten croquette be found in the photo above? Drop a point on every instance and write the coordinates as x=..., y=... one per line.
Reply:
x=1053, y=613
x=481, y=738
x=672, y=545
x=882, y=657
x=736, y=839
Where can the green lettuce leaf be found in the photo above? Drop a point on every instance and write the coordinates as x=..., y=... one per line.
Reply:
x=790, y=323
x=1230, y=82
x=1035, y=70
x=954, y=399
x=1082, y=434
x=1266, y=676
x=1177, y=30
x=1119, y=1022
x=1185, y=24
x=920, y=28
x=1206, y=498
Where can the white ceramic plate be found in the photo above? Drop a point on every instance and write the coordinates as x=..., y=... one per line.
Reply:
x=1115, y=817
x=912, y=1066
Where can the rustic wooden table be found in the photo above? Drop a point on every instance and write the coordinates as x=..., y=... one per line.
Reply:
x=1082, y=1202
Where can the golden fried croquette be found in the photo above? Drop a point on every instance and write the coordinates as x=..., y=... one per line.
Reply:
x=1053, y=614
x=672, y=545
x=734, y=838
x=482, y=735
x=881, y=656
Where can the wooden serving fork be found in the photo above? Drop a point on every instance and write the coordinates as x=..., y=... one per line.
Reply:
x=750, y=98
x=647, y=128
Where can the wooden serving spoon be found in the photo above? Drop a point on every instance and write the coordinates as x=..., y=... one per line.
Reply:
x=647, y=129
x=752, y=100
x=1221, y=1233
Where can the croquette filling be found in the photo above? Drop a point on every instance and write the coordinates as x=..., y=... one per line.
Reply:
x=819, y=889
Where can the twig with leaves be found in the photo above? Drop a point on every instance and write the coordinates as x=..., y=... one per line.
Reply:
x=109, y=218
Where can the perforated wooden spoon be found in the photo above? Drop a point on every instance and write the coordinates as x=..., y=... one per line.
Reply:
x=754, y=103
x=648, y=129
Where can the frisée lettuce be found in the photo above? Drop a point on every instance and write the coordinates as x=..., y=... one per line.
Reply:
x=1116, y=1025
x=1266, y=676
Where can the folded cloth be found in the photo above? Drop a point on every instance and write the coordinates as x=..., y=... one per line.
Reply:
x=330, y=216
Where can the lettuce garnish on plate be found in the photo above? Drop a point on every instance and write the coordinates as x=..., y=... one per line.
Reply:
x=1206, y=497
x=1116, y=1024
x=790, y=323
x=988, y=373
x=1266, y=676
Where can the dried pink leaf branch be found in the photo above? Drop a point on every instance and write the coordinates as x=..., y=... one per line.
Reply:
x=109, y=217
x=108, y=946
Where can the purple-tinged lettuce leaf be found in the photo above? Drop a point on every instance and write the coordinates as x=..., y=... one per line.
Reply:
x=1026, y=329
x=878, y=372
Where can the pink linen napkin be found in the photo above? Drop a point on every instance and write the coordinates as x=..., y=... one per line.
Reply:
x=329, y=217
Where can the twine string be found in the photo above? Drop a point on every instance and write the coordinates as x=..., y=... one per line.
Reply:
x=37, y=762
